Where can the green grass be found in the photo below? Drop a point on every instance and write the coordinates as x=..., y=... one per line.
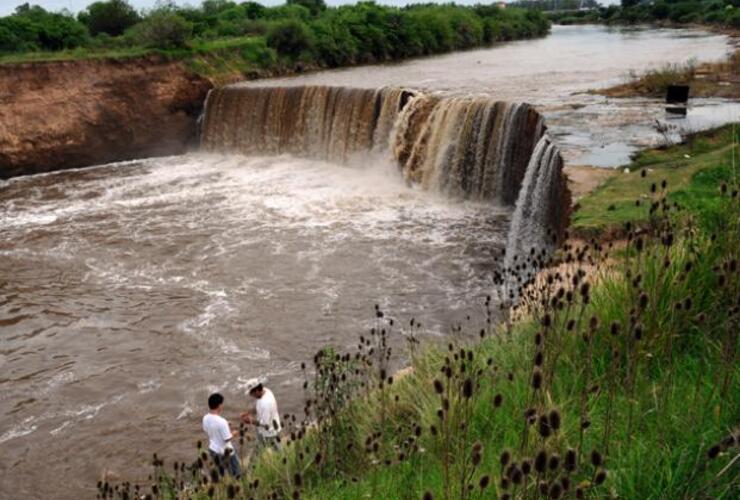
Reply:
x=221, y=60
x=232, y=58
x=81, y=53
x=692, y=171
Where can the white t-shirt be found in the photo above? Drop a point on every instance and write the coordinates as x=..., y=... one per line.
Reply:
x=218, y=432
x=267, y=413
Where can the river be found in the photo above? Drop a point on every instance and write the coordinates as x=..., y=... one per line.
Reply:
x=130, y=291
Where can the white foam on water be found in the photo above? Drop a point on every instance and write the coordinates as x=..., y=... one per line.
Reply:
x=23, y=429
x=148, y=386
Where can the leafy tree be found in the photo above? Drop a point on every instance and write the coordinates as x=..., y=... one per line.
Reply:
x=253, y=10
x=112, y=17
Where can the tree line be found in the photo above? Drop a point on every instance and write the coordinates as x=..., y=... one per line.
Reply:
x=725, y=13
x=299, y=30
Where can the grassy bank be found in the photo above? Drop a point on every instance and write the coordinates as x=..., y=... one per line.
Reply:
x=618, y=378
x=223, y=39
x=691, y=170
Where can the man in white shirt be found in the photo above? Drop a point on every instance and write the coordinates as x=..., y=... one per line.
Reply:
x=265, y=416
x=220, y=437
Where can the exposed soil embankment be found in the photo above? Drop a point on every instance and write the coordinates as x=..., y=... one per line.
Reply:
x=58, y=115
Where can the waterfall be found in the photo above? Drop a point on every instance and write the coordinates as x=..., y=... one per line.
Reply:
x=539, y=208
x=471, y=148
x=328, y=123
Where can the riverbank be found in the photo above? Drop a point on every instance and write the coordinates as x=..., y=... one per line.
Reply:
x=622, y=381
x=715, y=79
x=72, y=95
x=68, y=114
x=691, y=171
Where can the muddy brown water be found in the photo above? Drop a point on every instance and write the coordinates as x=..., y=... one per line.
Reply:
x=128, y=292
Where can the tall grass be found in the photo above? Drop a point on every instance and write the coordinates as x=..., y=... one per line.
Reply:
x=618, y=379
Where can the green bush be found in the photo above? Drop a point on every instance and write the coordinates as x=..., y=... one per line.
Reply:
x=163, y=30
x=33, y=28
x=289, y=37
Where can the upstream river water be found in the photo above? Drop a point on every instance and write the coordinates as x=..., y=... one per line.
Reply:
x=128, y=292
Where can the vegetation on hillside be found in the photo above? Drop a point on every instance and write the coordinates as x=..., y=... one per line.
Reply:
x=721, y=13
x=617, y=375
x=222, y=35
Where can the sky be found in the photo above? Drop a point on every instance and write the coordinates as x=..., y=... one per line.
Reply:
x=8, y=6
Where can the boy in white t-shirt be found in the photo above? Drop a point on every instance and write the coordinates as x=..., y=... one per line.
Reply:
x=220, y=437
x=265, y=417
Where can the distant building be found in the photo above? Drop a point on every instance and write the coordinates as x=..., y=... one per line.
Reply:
x=501, y=5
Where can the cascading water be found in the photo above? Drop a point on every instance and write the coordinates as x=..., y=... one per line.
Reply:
x=536, y=215
x=468, y=148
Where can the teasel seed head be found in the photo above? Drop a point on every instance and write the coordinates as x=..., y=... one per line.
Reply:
x=570, y=460
x=484, y=481
x=615, y=327
x=537, y=378
x=504, y=458
x=554, y=419
x=596, y=458
x=468, y=388
x=544, y=488
x=544, y=427
x=438, y=386
x=638, y=331
x=497, y=400
x=593, y=323
x=505, y=483
x=540, y=461
x=600, y=477
x=555, y=490
x=565, y=483
x=538, y=358
x=526, y=466
x=516, y=475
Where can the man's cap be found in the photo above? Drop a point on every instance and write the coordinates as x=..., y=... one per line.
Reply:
x=250, y=384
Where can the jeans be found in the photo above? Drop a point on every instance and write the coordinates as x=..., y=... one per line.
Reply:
x=228, y=463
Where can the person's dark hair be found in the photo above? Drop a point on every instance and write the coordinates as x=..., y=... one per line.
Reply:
x=215, y=400
x=254, y=390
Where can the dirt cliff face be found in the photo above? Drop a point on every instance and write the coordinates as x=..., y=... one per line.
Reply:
x=58, y=115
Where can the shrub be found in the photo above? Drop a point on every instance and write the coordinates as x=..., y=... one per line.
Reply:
x=289, y=37
x=163, y=30
x=33, y=28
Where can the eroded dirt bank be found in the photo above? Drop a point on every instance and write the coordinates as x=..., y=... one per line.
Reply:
x=67, y=114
